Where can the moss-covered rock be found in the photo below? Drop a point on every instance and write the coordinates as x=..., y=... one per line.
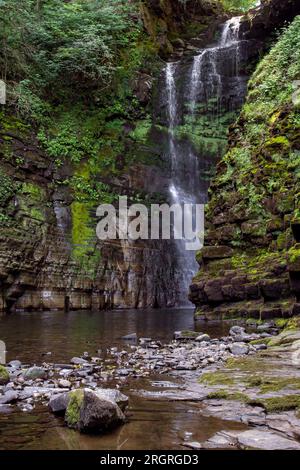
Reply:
x=72, y=416
x=4, y=375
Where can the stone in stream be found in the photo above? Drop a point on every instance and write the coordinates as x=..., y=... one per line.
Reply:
x=15, y=364
x=251, y=439
x=130, y=337
x=265, y=440
x=203, y=337
x=114, y=395
x=185, y=335
x=4, y=375
x=59, y=403
x=88, y=411
x=9, y=397
x=63, y=383
x=236, y=330
x=35, y=373
x=239, y=349
x=77, y=361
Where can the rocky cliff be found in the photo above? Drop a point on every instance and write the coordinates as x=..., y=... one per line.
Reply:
x=58, y=163
x=249, y=266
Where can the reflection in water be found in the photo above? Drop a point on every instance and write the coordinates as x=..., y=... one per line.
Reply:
x=151, y=425
x=28, y=335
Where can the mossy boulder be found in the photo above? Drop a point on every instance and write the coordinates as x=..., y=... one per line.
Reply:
x=4, y=375
x=92, y=412
x=72, y=416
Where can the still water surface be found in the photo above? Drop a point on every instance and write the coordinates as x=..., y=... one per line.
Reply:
x=152, y=424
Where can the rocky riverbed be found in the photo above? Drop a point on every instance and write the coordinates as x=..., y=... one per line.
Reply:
x=249, y=377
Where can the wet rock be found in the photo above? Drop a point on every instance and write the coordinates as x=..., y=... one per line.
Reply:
x=237, y=330
x=193, y=445
x=251, y=439
x=144, y=341
x=62, y=383
x=88, y=412
x=260, y=347
x=15, y=364
x=265, y=440
x=4, y=375
x=203, y=337
x=77, y=361
x=5, y=409
x=37, y=392
x=26, y=407
x=185, y=335
x=265, y=326
x=9, y=397
x=35, y=373
x=58, y=404
x=130, y=337
x=113, y=395
x=239, y=349
x=233, y=410
x=123, y=372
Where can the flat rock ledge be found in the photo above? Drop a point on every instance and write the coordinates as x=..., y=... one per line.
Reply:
x=251, y=439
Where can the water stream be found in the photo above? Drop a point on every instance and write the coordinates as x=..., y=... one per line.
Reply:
x=205, y=84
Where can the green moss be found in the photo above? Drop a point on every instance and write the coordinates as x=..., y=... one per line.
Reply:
x=277, y=404
x=216, y=378
x=246, y=364
x=4, y=375
x=293, y=324
x=223, y=394
x=260, y=341
x=72, y=415
x=83, y=234
x=281, y=322
x=141, y=131
x=189, y=333
x=278, y=143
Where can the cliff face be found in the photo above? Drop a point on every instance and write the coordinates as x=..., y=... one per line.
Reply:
x=173, y=22
x=250, y=262
x=54, y=175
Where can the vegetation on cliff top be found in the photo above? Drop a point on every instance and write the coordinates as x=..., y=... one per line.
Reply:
x=265, y=141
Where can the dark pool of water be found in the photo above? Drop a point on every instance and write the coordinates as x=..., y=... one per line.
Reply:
x=152, y=424
x=29, y=335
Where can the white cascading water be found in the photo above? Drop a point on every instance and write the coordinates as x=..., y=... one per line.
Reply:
x=178, y=191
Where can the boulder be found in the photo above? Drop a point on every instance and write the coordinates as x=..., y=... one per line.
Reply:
x=63, y=383
x=4, y=375
x=203, y=337
x=58, y=404
x=239, y=349
x=113, y=395
x=89, y=412
x=185, y=335
x=9, y=397
x=236, y=330
x=35, y=373
x=15, y=364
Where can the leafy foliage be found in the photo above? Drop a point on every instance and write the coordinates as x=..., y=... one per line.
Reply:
x=238, y=5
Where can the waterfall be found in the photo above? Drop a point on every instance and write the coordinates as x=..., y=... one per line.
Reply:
x=195, y=77
x=230, y=33
x=209, y=73
x=186, y=264
x=171, y=90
